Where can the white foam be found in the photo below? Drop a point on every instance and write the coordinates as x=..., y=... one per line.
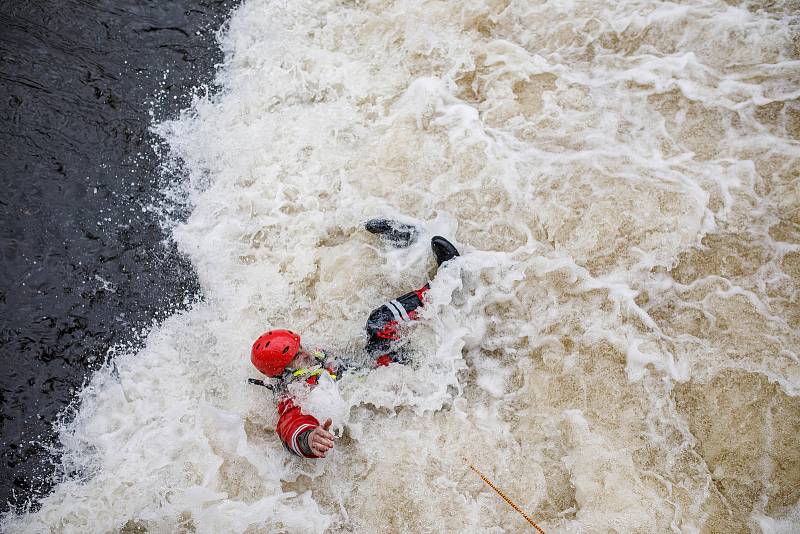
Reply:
x=578, y=154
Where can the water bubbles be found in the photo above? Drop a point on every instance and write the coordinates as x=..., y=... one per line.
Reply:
x=615, y=316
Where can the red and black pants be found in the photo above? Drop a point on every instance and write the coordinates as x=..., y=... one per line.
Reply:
x=385, y=323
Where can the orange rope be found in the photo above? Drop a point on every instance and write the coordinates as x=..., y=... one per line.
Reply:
x=503, y=495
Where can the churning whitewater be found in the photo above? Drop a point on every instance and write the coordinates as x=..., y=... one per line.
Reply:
x=617, y=348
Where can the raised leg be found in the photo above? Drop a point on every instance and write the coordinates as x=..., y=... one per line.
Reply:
x=384, y=322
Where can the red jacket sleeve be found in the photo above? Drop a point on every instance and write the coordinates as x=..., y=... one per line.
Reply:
x=293, y=428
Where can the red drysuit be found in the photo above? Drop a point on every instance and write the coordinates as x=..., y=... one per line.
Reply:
x=293, y=425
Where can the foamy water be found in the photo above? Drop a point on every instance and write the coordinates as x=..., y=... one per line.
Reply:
x=617, y=349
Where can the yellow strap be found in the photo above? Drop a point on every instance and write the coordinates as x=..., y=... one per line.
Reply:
x=312, y=372
x=308, y=371
x=317, y=369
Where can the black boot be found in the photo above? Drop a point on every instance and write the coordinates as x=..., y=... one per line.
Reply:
x=396, y=233
x=443, y=249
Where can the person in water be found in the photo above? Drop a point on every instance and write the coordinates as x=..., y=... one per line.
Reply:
x=279, y=353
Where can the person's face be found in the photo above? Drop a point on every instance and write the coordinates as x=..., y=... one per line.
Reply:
x=301, y=360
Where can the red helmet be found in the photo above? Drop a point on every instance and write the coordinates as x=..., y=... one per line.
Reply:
x=273, y=351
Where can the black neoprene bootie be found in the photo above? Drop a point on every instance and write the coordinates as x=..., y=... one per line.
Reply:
x=396, y=233
x=443, y=249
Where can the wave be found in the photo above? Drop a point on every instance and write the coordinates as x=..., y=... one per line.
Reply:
x=617, y=346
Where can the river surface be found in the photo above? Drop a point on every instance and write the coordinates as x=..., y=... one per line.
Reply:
x=616, y=349
x=86, y=263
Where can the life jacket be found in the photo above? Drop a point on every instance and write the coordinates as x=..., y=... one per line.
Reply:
x=312, y=374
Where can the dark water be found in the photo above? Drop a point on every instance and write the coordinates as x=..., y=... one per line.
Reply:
x=83, y=266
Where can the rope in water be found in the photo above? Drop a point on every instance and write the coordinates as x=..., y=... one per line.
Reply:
x=503, y=495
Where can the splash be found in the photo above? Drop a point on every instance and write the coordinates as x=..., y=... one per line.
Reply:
x=617, y=346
